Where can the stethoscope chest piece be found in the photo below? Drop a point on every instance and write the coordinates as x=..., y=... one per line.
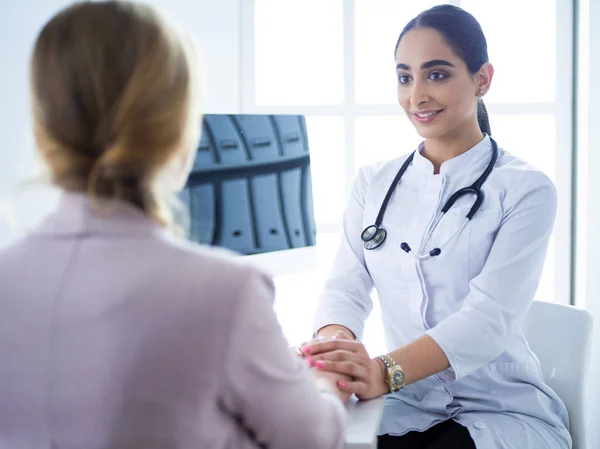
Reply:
x=373, y=236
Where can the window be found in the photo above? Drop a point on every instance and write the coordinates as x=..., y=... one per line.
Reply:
x=296, y=65
x=333, y=61
x=377, y=25
x=327, y=143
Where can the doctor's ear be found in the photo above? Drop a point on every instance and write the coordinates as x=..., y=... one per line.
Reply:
x=483, y=79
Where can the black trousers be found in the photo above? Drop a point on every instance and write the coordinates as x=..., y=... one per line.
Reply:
x=446, y=435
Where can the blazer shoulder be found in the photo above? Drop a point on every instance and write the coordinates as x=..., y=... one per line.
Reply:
x=213, y=269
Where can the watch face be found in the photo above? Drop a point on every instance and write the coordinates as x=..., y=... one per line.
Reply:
x=397, y=378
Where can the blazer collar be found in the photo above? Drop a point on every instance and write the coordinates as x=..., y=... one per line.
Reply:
x=78, y=215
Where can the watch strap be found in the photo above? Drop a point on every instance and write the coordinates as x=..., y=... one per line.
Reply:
x=391, y=367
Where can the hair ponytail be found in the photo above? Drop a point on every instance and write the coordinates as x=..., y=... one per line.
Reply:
x=483, y=118
x=113, y=102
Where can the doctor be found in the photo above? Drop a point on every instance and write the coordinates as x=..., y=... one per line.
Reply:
x=455, y=270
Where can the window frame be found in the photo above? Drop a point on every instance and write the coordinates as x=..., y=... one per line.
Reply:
x=562, y=109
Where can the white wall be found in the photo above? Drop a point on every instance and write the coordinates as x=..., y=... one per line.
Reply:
x=214, y=24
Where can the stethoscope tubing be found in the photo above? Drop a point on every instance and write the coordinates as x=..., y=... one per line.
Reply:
x=374, y=236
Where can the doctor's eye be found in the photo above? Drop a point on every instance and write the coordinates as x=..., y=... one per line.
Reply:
x=437, y=76
x=404, y=79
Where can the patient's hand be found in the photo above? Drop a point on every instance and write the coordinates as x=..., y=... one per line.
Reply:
x=333, y=378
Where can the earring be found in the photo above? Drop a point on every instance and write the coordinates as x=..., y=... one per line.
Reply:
x=480, y=91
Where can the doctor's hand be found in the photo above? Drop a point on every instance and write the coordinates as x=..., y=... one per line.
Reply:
x=350, y=358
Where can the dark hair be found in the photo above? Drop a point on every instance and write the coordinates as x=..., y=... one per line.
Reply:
x=464, y=35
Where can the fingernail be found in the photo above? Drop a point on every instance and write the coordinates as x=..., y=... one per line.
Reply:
x=310, y=361
x=320, y=364
x=342, y=384
x=307, y=350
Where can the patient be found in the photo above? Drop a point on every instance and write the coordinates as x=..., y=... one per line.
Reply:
x=115, y=333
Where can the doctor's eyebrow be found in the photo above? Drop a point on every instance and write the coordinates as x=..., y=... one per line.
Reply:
x=427, y=65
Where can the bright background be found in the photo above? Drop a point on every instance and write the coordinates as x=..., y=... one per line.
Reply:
x=332, y=60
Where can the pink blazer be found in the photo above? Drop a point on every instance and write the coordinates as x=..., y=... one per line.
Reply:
x=115, y=334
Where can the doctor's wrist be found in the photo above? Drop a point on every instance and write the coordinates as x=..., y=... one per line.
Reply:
x=335, y=331
x=393, y=373
x=381, y=374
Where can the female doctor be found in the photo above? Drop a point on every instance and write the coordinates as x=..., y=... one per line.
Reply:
x=453, y=236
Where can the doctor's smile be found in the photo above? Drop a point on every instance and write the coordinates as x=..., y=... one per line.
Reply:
x=426, y=116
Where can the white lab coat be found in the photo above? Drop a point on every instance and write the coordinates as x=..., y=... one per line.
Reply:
x=471, y=299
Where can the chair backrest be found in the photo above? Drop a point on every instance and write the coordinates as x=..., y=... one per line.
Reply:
x=560, y=336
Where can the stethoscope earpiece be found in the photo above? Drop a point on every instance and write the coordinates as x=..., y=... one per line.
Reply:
x=433, y=253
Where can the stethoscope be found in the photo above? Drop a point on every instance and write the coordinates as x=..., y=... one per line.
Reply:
x=373, y=236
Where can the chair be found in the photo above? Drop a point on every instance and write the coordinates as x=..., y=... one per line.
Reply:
x=560, y=336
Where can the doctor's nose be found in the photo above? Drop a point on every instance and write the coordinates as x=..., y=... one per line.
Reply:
x=419, y=95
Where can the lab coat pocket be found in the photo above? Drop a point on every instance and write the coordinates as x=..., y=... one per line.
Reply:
x=454, y=244
x=520, y=386
x=448, y=235
x=428, y=394
x=467, y=251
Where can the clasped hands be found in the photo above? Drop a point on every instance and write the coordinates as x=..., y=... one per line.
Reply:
x=346, y=361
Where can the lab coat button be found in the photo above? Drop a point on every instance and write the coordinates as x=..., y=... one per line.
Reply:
x=479, y=425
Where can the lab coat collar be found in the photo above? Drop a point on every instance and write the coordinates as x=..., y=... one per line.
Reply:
x=77, y=215
x=481, y=151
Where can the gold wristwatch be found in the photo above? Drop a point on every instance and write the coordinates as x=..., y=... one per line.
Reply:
x=395, y=375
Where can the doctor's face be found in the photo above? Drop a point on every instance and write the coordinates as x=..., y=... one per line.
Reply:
x=435, y=88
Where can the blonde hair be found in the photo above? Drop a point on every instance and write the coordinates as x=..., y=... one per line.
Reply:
x=114, y=96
